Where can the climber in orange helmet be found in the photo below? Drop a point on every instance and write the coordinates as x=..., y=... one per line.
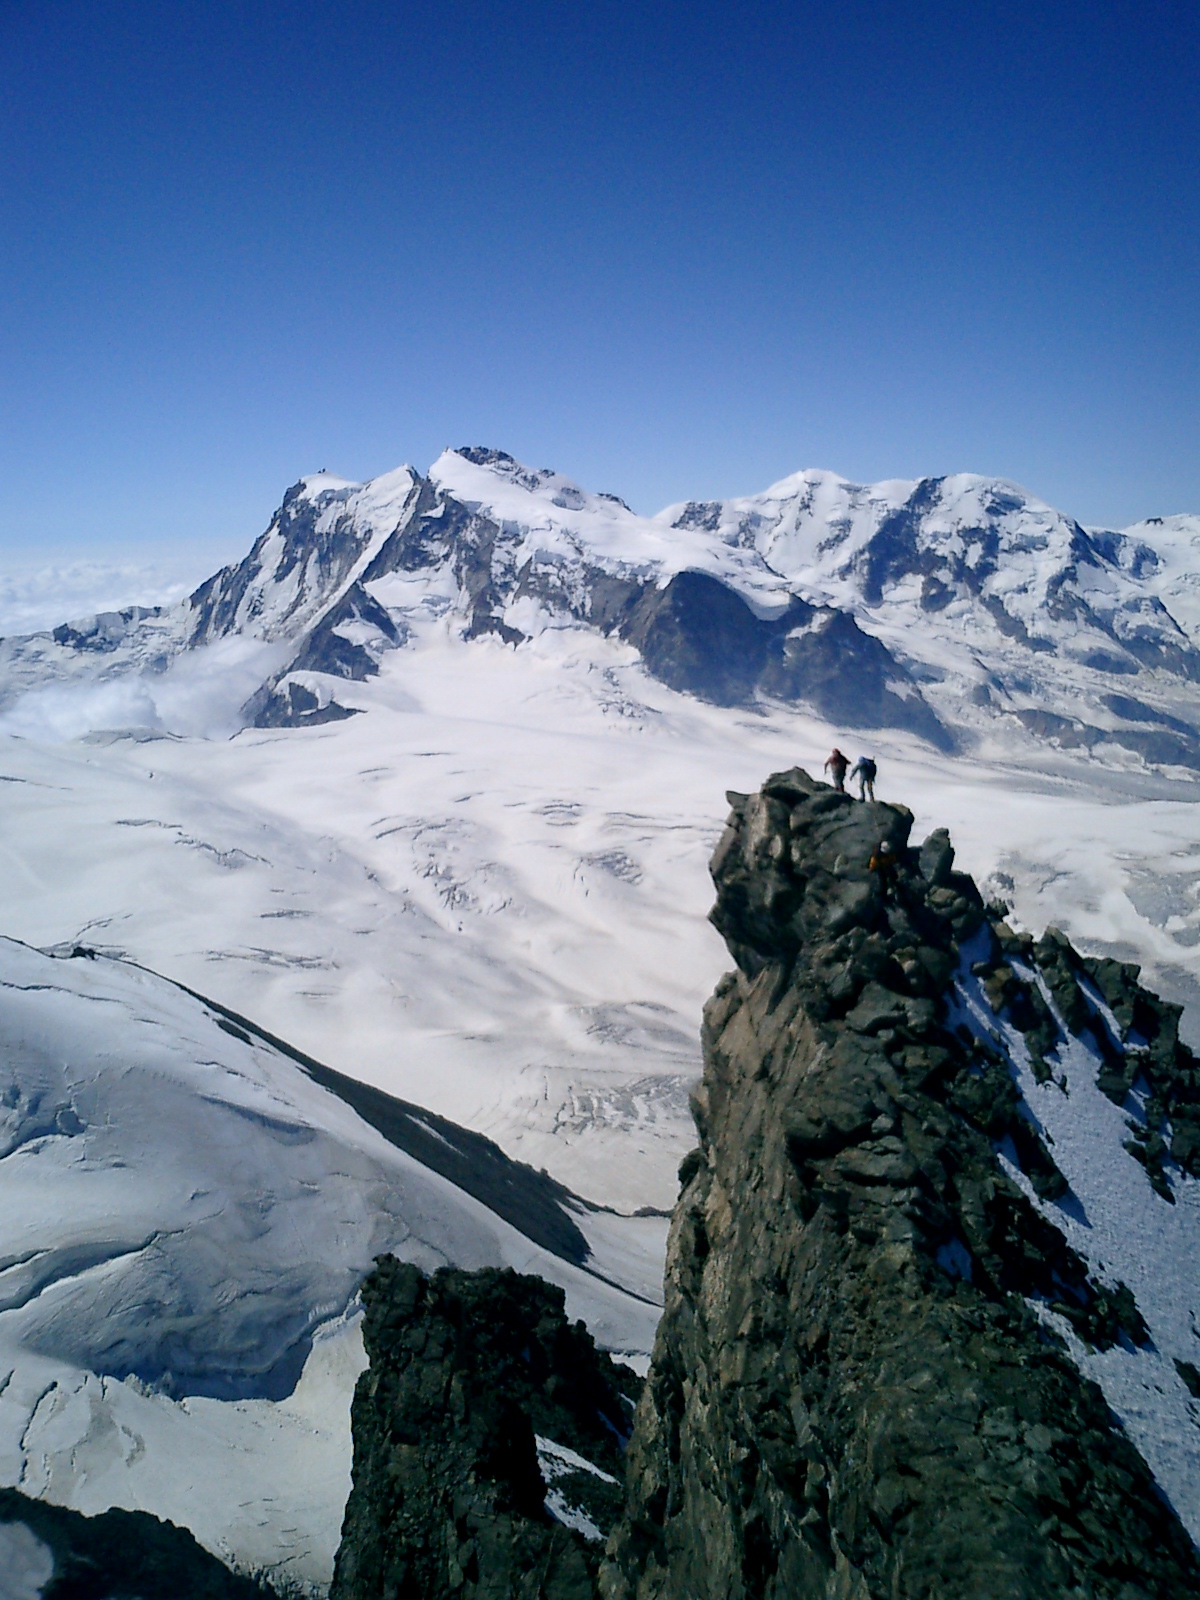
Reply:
x=883, y=862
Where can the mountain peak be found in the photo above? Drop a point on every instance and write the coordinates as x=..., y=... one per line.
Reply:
x=482, y=455
x=479, y=471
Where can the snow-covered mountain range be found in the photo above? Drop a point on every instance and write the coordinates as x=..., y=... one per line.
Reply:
x=530, y=701
x=956, y=608
x=426, y=785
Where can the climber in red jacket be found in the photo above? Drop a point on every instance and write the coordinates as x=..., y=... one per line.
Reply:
x=837, y=766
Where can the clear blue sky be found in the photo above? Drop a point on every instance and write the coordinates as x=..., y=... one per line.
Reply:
x=674, y=250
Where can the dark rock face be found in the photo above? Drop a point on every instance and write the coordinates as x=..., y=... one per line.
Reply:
x=326, y=649
x=315, y=560
x=291, y=705
x=468, y=1371
x=1172, y=745
x=697, y=635
x=103, y=632
x=1169, y=1121
x=123, y=1555
x=849, y=1397
x=851, y=678
x=282, y=702
x=440, y=531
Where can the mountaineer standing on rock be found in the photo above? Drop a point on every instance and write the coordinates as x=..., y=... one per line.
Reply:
x=865, y=770
x=883, y=861
x=836, y=767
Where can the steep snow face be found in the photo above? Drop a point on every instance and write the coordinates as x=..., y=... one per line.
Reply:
x=187, y=1213
x=321, y=538
x=1175, y=575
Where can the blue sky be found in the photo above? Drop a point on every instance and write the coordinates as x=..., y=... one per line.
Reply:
x=674, y=250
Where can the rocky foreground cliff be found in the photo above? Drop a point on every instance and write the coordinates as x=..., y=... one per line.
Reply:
x=49, y=1552
x=488, y=1440
x=853, y=1392
x=867, y=1382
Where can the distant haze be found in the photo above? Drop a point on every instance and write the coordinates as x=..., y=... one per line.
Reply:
x=37, y=597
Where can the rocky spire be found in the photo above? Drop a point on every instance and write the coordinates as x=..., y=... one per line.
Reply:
x=481, y=1397
x=853, y=1394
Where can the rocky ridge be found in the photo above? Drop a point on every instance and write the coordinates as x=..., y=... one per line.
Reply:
x=59, y=1554
x=860, y=1386
x=479, y=1391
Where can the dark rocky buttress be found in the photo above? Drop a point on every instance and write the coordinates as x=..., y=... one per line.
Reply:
x=834, y=1412
x=471, y=1374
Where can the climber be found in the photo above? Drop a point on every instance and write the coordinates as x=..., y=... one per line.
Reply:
x=836, y=767
x=883, y=861
x=864, y=769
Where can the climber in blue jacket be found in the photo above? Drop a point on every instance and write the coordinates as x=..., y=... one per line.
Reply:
x=864, y=770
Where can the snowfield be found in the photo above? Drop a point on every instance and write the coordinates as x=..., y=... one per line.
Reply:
x=485, y=892
x=187, y=1218
x=488, y=893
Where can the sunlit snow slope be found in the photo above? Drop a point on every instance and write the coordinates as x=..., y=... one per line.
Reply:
x=187, y=1218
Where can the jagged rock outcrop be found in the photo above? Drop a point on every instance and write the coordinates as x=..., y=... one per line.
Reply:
x=851, y=1395
x=291, y=705
x=478, y=1392
x=119, y=1555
